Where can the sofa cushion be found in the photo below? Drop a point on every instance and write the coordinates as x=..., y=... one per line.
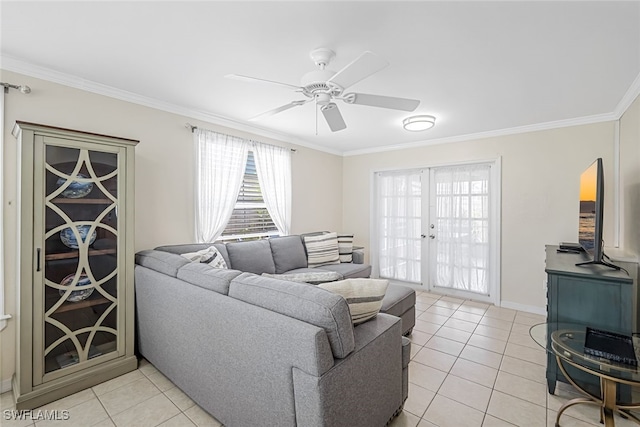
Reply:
x=349, y=270
x=364, y=296
x=163, y=262
x=322, y=249
x=208, y=277
x=358, y=256
x=345, y=247
x=313, y=277
x=251, y=256
x=210, y=256
x=288, y=253
x=398, y=300
x=309, y=304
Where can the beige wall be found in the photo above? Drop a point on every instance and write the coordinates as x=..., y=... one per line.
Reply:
x=164, y=162
x=630, y=179
x=540, y=181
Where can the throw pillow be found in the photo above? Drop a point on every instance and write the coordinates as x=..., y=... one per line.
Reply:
x=345, y=247
x=364, y=296
x=322, y=249
x=312, y=277
x=210, y=256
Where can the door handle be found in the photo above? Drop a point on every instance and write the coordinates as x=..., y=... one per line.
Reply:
x=423, y=236
x=432, y=236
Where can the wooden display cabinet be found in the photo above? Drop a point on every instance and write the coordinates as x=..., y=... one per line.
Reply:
x=76, y=313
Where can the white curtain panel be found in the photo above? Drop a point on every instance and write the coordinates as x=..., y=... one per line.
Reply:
x=220, y=164
x=2, y=315
x=273, y=166
x=462, y=226
x=399, y=199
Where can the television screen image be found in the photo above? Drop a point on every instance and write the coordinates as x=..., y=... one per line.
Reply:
x=588, y=193
x=592, y=214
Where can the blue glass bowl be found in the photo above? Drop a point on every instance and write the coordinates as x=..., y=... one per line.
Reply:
x=69, y=238
x=76, y=189
x=80, y=295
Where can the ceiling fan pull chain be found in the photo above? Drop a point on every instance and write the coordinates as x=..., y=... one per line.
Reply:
x=316, y=108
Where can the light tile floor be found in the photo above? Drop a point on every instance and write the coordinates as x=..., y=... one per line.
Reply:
x=472, y=364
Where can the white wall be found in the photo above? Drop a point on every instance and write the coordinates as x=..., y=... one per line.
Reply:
x=164, y=163
x=540, y=181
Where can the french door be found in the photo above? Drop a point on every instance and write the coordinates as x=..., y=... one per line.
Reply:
x=436, y=228
x=399, y=224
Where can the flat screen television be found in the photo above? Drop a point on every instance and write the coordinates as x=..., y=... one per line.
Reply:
x=592, y=214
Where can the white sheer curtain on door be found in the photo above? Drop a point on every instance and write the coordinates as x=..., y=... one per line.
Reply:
x=399, y=199
x=273, y=166
x=462, y=196
x=220, y=165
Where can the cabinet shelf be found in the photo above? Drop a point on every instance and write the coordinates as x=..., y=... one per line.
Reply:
x=82, y=201
x=53, y=363
x=70, y=306
x=76, y=254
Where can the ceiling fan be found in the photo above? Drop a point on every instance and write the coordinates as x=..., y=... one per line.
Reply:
x=325, y=86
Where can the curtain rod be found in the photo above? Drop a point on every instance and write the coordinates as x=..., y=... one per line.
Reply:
x=193, y=128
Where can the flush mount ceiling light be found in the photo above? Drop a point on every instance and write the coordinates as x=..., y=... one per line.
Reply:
x=418, y=123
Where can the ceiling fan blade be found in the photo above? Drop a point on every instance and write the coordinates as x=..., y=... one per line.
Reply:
x=333, y=117
x=390, y=102
x=277, y=110
x=362, y=67
x=254, y=80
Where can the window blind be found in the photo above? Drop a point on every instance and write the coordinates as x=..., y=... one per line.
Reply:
x=250, y=218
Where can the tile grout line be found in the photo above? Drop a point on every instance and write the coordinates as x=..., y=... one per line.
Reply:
x=510, y=331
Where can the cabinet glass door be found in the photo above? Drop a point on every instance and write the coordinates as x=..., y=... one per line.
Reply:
x=79, y=258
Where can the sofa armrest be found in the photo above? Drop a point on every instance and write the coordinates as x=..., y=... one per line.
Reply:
x=370, y=377
x=358, y=256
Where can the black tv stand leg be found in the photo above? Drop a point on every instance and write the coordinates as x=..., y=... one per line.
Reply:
x=605, y=263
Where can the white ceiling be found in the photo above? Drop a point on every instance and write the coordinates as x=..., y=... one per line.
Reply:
x=480, y=67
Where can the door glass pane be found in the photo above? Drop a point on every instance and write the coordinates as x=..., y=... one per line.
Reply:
x=399, y=219
x=462, y=228
x=80, y=256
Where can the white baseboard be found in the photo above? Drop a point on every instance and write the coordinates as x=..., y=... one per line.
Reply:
x=523, y=307
x=5, y=385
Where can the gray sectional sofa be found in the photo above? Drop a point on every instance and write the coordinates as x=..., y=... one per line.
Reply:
x=261, y=351
x=287, y=255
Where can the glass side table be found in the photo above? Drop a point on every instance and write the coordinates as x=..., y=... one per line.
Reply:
x=566, y=343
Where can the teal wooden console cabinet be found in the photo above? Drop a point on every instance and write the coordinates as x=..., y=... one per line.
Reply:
x=592, y=295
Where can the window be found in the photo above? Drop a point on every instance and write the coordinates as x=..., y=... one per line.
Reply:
x=250, y=218
x=242, y=188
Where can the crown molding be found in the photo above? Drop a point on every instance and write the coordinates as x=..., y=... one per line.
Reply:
x=490, y=134
x=632, y=93
x=16, y=65
x=629, y=97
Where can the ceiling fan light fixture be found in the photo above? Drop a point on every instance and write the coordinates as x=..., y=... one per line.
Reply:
x=418, y=123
